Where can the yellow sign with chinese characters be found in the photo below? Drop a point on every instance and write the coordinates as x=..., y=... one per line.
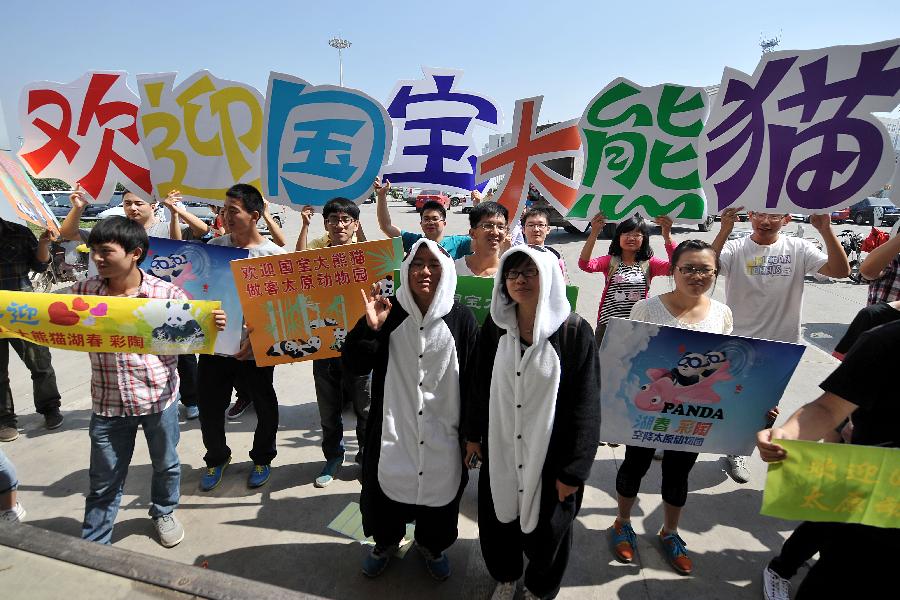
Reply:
x=109, y=324
x=840, y=483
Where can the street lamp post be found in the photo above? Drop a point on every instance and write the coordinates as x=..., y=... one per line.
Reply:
x=341, y=44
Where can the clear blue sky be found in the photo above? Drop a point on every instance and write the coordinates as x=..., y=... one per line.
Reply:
x=565, y=50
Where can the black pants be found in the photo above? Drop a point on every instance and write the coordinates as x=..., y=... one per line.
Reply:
x=187, y=374
x=676, y=465
x=803, y=543
x=43, y=379
x=217, y=375
x=856, y=557
x=547, y=547
x=436, y=526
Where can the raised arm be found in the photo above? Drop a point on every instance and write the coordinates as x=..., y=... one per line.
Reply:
x=306, y=215
x=879, y=258
x=68, y=230
x=837, y=265
x=726, y=226
x=381, y=209
x=274, y=228
x=597, y=224
x=177, y=210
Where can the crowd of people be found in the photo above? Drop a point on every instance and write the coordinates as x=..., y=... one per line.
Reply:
x=436, y=396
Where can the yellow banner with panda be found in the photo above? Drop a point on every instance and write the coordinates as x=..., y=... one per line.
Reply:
x=109, y=324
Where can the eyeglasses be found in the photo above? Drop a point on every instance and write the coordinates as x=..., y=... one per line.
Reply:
x=536, y=225
x=492, y=227
x=633, y=235
x=528, y=273
x=699, y=271
x=339, y=221
x=767, y=217
x=432, y=220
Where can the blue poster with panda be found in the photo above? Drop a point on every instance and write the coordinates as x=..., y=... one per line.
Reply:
x=681, y=389
x=202, y=271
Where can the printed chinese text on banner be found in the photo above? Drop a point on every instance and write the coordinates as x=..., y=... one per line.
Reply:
x=20, y=202
x=85, y=132
x=521, y=162
x=435, y=146
x=109, y=324
x=842, y=483
x=798, y=136
x=203, y=272
x=321, y=142
x=641, y=153
x=201, y=136
x=301, y=305
x=681, y=389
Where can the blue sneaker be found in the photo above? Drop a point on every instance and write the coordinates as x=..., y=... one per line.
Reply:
x=191, y=412
x=331, y=468
x=623, y=541
x=438, y=566
x=213, y=476
x=259, y=476
x=377, y=560
x=673, y=546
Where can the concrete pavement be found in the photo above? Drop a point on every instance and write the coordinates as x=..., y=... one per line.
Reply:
x=278, y=535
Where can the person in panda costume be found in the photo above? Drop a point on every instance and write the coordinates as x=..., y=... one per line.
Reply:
x=419, y=346
x=534, y=420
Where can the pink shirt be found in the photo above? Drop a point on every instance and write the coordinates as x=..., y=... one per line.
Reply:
x=600, y=264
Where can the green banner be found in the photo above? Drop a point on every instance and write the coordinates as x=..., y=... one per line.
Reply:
x=841, y=483
x=476, y=292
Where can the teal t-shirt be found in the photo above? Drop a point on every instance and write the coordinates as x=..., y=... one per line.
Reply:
x=456, y=246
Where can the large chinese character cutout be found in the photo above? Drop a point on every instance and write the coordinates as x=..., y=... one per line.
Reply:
x=202, y=136
x=521, y=163
x=321, y=142
x=798, y=136
x=85, y=132
x=641, y=152
x=435, y=123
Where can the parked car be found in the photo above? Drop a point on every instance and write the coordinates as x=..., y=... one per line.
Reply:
x=877, y=211
x=428, y=195
x=457, y=199
x=839, y=216
x=58, y=202
x=410, y=195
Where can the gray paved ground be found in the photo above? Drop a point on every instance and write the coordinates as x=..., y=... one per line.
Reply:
x=278, y=534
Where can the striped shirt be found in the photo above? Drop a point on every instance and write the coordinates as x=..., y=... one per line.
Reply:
x=627, y=286
x=127, y=385
x=887, y=287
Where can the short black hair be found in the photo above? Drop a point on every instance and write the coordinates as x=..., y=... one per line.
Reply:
x=435, y=205
x=537, y=211
x=249, y=197
x=515, y=260
x=691, y=246
x=121, y=231
x=635, y=223
x=340, y=205
x=486, y=210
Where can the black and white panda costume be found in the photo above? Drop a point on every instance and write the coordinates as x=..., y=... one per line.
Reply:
x=413, y=466
x=536, y=414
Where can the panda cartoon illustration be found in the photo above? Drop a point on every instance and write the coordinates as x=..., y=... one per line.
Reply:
x=387, y=285
x=340, y=335
x=689, y=369
x=168, y=268
x=179, y=325
x=295, y=348
x=326, y=322
x=715, y=360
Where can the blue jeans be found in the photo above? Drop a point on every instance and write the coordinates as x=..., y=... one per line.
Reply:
x=333, y=388
x=8, y=481
x=112, y=444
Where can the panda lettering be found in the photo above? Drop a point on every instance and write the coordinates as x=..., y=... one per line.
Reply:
x=179, y=325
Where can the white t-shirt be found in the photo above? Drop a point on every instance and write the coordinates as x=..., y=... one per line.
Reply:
x=652, y=310
x=764, y=285
x=266, y=248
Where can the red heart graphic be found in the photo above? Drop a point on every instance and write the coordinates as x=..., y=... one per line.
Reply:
x=61, y=315
x=79, y=304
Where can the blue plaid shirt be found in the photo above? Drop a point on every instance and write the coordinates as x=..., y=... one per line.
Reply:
x=18, y=255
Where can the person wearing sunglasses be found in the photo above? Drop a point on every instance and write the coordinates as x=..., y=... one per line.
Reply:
x=419, y=346
x=628, y=268
x=490, y=236
x=533, y=420
x=694, y=268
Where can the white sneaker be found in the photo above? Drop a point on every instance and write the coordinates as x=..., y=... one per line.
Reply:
x=775, y=587
x=738, y=468
x=13, y=515
x=504, y=591
x=169, y=529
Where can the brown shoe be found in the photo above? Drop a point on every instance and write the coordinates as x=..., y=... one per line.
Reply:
x=8, y=433
x=677, y=556
x=53, y=420
x=623, y=541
